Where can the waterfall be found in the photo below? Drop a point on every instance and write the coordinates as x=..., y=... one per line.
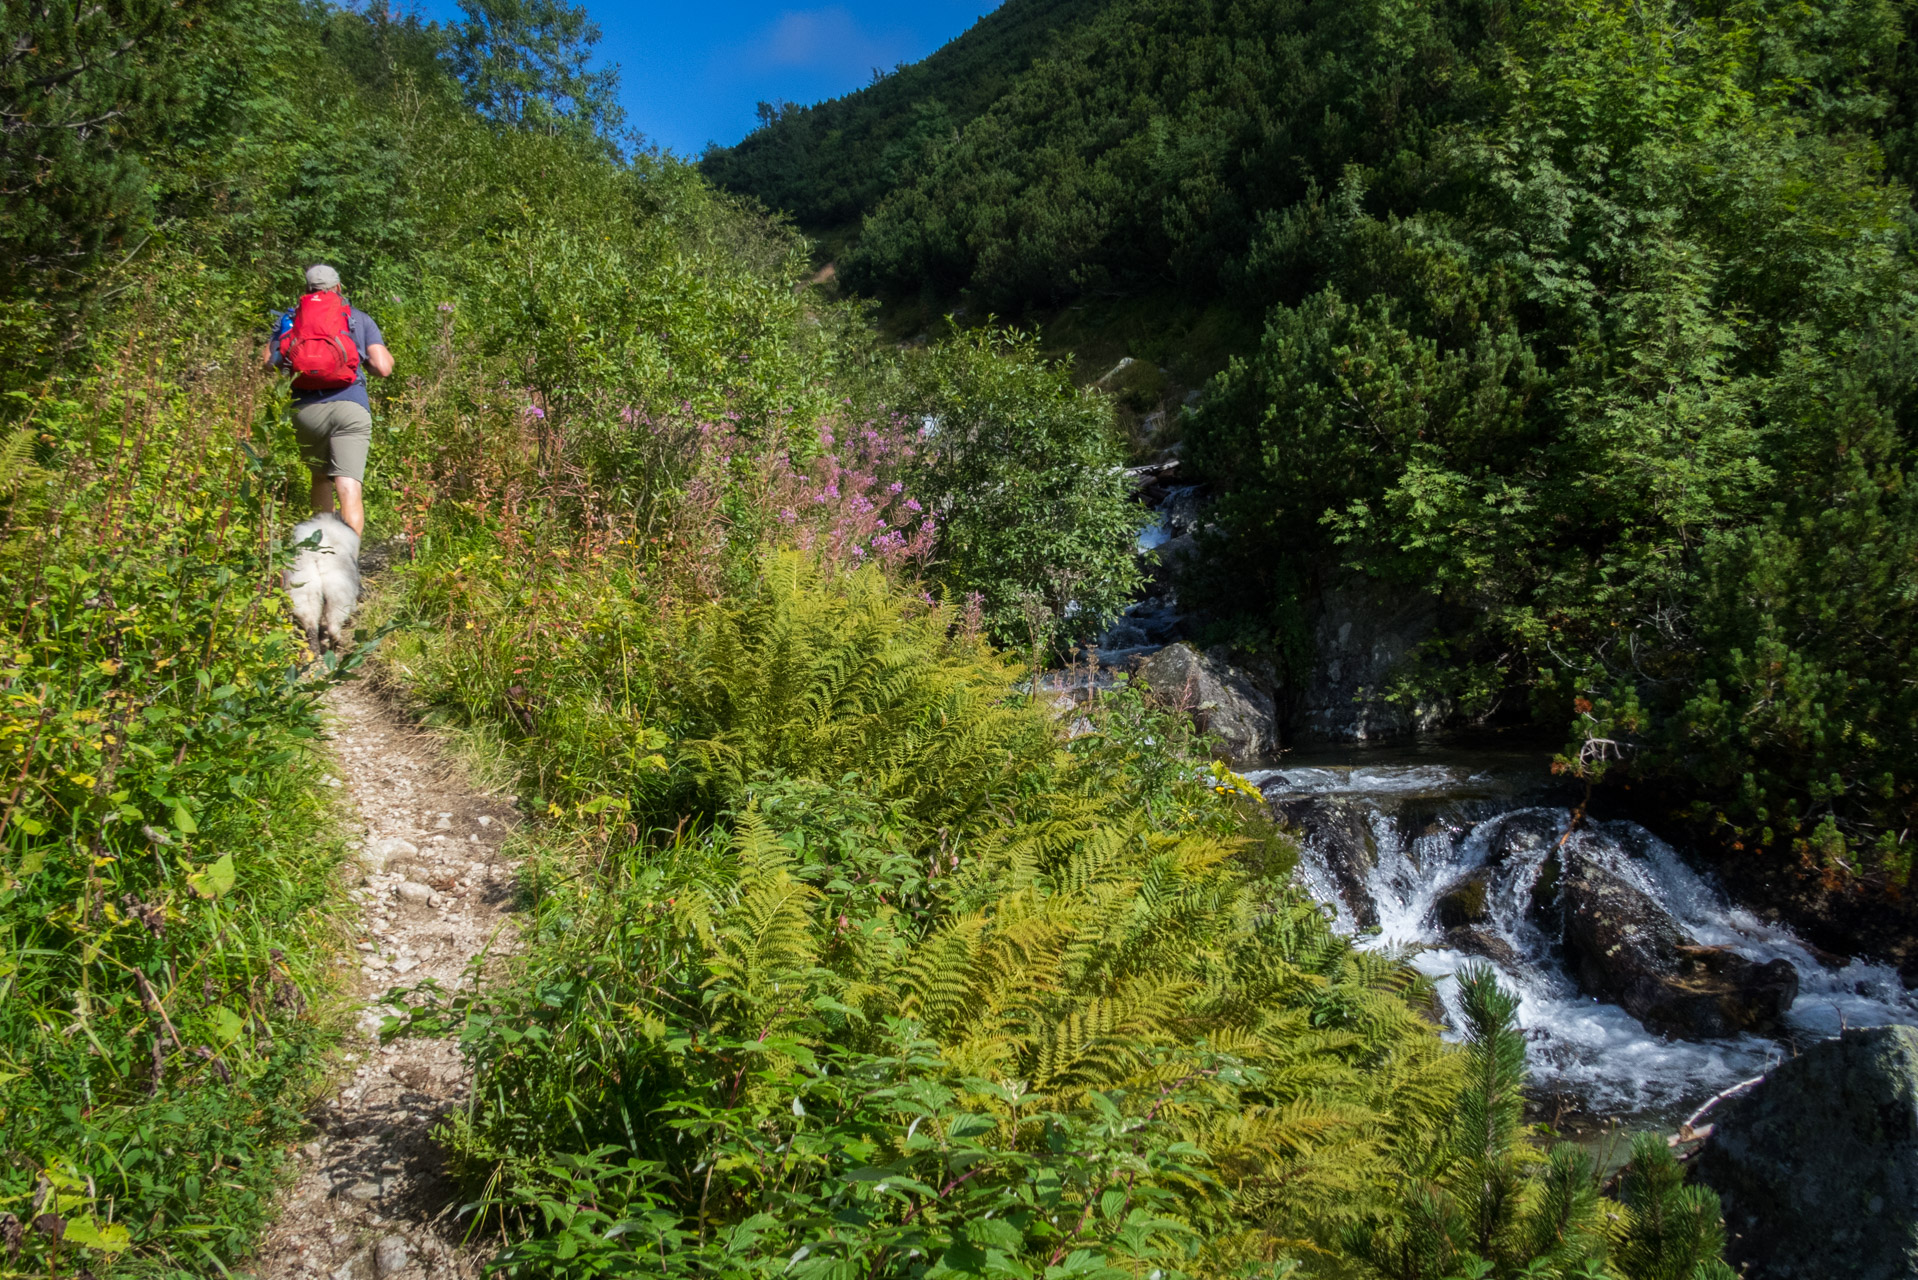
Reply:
x=1451, y=864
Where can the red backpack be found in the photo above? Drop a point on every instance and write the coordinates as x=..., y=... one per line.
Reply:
x=319, y=347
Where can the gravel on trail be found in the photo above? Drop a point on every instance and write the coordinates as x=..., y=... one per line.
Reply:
x=372, y=1199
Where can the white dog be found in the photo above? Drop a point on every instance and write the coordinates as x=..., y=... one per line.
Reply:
x=324, y=581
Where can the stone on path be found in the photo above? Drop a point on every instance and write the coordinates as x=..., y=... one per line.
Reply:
x=389, y=1256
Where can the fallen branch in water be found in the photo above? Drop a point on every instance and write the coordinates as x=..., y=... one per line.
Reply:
x=1578, y=817
x=1688, y=1130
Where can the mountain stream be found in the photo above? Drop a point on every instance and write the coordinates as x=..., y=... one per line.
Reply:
x=1393, y=839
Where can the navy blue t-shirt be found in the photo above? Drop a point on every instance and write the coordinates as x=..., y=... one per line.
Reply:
x=365, y=334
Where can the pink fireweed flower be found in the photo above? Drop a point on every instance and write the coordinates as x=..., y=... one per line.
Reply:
x=534, y=411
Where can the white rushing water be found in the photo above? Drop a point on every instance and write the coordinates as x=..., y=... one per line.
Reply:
x=1432, y=826
x=1154, y=535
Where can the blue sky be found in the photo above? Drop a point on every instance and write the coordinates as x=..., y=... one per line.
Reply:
x=692, y=72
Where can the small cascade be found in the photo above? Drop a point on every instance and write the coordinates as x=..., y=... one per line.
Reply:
x=1172, y=514
x=1454, y=864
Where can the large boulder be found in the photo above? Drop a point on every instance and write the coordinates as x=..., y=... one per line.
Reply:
x=1621, y=945
x=1362, y=633
x=1224, y=700
x=1817, y=1167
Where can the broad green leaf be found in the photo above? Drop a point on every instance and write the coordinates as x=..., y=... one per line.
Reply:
x=215, y=881
x=227, y=1024
x=107, y=1237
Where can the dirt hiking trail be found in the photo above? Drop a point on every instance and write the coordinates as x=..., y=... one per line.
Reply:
x=372, y=1200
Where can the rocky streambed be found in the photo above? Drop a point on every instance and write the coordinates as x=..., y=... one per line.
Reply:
x=1644, y=988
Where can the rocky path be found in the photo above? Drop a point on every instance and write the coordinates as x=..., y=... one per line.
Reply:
x=372, y=1199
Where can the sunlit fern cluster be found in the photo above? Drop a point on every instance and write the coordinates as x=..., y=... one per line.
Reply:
x=879, y=843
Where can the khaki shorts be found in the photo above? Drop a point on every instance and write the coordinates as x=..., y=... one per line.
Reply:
x=334, y=438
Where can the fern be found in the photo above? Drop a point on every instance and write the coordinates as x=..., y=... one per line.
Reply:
x=21, y=479
x=903, y=861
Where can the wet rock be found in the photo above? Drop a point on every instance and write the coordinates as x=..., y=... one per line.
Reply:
x=1224, y=700
x=1522, y=835
x=1464, y=904
x=1162, y=562
x=1527, y=838
x=1478, y=941
x=1542, y=902
x=1817, y=1167
x=1184, y=509
x=1623, y=946
x=1340, y=832
x=1147, y=623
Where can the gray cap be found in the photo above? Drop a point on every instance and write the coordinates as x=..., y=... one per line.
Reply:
x=321, y=276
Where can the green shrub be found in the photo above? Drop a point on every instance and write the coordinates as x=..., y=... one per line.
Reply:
x=1025, y=473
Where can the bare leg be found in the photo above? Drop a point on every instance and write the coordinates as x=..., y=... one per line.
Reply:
x=352, y=507
x=322, y=494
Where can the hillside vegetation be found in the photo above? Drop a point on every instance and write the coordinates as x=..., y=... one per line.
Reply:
x=1590, y=321
x=829, y=163
x=840, y=955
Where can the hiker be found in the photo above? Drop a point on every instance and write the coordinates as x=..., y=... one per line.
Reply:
x=328, y=345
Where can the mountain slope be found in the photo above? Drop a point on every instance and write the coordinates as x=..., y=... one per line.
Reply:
x=1164, y=146
x=830, y=163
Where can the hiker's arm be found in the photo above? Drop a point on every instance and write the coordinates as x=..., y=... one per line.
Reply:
x=379, y=359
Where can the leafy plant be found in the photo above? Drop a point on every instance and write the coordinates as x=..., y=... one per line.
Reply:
x=1024, y=473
